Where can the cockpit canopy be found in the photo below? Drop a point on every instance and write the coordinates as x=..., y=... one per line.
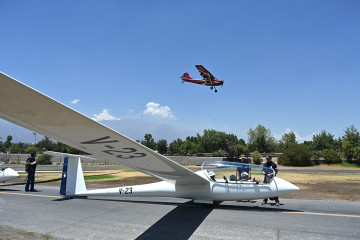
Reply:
x=237, y=173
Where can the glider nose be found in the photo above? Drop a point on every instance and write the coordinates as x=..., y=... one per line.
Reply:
x=286, y=187
x=10, y=173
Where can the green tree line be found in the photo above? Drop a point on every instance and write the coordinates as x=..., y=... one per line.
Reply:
x=260, y=140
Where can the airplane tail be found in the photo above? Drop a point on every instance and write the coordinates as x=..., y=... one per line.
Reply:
x=186, y=75
x=72, y=180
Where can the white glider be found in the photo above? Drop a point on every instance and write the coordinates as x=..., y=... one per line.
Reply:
x=7, y=174
x=33, y=110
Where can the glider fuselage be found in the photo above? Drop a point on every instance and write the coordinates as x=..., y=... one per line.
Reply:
x=7, y=174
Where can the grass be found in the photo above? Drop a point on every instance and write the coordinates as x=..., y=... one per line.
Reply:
x=27, y=233
x=354, y=165
x=98, y=177
x=324, y=186
x=129, y=170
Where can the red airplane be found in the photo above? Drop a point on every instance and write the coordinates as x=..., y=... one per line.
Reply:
x=208, y=78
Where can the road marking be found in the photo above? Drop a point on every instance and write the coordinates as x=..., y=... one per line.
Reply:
x=326, y=214
x=33, y=195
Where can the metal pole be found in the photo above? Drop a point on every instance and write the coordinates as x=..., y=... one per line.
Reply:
x=35, y=139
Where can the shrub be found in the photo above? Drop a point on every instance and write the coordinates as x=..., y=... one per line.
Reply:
x=296, y=155
x=348, y=151
x=316, y=156
x=331, y=156
x=256, y=156
x=357, y=154
x=217, y=154
x=44, y=159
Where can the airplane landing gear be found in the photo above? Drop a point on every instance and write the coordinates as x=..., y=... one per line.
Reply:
x=215, y=90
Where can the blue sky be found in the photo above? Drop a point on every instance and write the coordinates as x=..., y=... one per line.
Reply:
x=288, y=65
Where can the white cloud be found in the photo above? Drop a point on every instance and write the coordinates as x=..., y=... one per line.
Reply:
x=154, y=109
x=75, y=101
x=104, y=115
x=299, y=138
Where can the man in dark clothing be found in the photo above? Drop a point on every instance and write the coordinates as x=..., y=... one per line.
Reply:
x=269, y=176
x=30, y=169
x=243, y=172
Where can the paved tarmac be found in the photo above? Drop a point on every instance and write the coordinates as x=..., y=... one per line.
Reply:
x=169, y=218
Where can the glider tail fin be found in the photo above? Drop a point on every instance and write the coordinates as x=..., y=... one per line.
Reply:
x=72, y=181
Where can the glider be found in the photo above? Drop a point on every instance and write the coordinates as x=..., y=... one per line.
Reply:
x=208, y=78
x=33, y=110
x=7, y=174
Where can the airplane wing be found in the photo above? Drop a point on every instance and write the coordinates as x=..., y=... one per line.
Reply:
x=33, y=110
x=205, y=73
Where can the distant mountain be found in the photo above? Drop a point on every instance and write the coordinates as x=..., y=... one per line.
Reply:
x=132, y=128
x=19, y=134
x=137, y=128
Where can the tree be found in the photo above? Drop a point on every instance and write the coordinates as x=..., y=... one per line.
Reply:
x=260, y=139
x=7, y=144
x=149, y=141
x=288, y=138
x=322, y=141
x=17, y=148
x=189, y=147
x=242, y=150
x=242, y=142
x=162, y=146
x=174, y=146
x=352, y=135
x=357, y=154
x=47, y=144
x=331, y=156
x=256, y=156
x=348, y=150
x=44, y=159
x=213, y=140
x=296, y=155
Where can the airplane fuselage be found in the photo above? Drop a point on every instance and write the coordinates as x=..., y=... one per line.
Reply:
x=204, y=82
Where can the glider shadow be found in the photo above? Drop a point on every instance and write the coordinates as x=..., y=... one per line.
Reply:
x=180, y=223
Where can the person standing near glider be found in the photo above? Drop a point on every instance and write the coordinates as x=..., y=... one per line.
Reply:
x=269, y=176
x=30, y=168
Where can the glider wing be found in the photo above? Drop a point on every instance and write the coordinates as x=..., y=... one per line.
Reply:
x=33, y=110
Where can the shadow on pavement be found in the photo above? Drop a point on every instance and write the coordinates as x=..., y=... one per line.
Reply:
x=180, y=223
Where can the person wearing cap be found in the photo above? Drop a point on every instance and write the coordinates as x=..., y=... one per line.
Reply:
x=268, y=176
x=243, y=172
x=30, y=169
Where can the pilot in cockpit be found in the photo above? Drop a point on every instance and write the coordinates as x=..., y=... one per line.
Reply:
x=243, y=172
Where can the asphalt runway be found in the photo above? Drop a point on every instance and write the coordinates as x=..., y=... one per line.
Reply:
x=169, y=218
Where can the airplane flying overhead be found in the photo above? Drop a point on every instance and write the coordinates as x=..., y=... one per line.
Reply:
x=208, y=78
x=7, y=174
x=31, y=109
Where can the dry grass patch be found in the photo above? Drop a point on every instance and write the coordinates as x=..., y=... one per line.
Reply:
x=324, y=186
